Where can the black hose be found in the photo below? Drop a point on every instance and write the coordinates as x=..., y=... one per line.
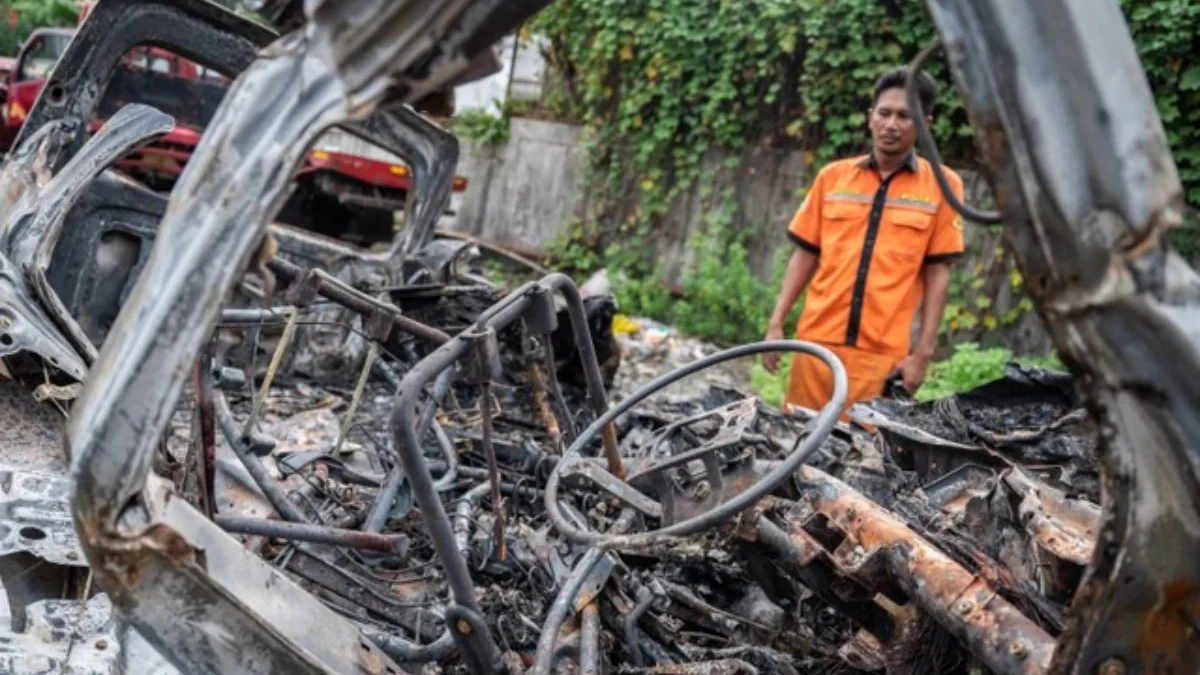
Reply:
x=561, y=608
x=929, y=147
x=406, y=652
x=378, y=514
x=630, y=628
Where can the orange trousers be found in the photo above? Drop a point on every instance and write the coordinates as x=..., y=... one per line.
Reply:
x=810, y=383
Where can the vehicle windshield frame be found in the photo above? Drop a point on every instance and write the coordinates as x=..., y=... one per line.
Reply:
x=56, y=42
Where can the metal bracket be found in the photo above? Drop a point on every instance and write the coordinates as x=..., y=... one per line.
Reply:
x=35, y=517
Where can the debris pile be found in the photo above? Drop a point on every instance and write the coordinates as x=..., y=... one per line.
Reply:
x=831, y=572
x=651, y=349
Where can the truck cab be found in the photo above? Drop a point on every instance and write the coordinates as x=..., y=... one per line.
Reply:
x=26, y=75
x=341, y=192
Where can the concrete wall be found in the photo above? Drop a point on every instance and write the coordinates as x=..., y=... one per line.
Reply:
x=764, y=184
x=525, y=194
x=522, y=194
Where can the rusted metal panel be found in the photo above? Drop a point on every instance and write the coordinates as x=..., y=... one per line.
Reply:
x=966, y=604
x=1067, y=528
x=1071, y=139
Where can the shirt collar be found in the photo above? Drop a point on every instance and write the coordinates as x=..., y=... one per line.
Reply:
x=869, y=162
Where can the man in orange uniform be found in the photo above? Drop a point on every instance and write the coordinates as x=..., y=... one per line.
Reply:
x=874, y=239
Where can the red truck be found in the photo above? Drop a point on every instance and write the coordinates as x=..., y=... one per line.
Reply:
x=339, y=194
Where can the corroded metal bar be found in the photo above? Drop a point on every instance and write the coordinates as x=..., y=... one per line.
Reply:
x=965, y=604
x=589, y=641
x=279, y=529
x=404, y=419
x=359, y=302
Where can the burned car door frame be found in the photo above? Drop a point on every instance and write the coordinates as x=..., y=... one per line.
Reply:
x=34, y=208
x=195, y=29
x=223, y=41
x=182, y=582
x=1071, y=139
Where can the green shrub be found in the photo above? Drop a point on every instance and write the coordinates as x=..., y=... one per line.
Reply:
x=771, y=387
x=482, y=128
x=722, y=300
x=971, y=366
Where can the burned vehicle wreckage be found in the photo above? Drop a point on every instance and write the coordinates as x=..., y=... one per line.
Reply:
x=181, y=496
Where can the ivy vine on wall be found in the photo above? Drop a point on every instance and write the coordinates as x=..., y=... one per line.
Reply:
x=849, y=44
x=1167, y=34
x=660, y=83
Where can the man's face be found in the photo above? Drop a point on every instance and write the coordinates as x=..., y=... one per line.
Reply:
x=892, y=131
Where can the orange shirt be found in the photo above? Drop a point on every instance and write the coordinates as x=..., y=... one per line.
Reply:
x=873, y=237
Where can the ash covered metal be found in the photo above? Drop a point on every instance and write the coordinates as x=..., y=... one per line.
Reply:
x=792, y=584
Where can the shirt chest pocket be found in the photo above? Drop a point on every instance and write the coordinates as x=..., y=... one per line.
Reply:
x=845, y=223
x=906, y=232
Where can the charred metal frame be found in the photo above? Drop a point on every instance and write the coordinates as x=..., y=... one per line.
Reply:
x=215, y=38
x=599, y=544
x=1070, y=138
x=535, y=301
x=1072, y=142
x=198, y=30
x=32, y=318
x=877, y=543
x=180, y=580
x=818, y=431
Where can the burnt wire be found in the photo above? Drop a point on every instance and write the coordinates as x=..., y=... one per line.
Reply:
x=289, y=332
x=819, y=430
x=359, y=387
x=929, y=148
x=630, y=627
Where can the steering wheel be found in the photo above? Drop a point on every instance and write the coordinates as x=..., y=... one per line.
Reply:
x=668, y=471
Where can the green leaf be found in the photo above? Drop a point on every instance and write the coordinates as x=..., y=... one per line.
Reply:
x=1191, y=79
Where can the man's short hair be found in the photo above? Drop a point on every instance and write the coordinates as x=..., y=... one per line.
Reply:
x=926, y=87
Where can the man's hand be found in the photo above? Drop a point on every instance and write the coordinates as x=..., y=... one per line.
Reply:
x=771, y=359
x=912, y=371
x=801, y=267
